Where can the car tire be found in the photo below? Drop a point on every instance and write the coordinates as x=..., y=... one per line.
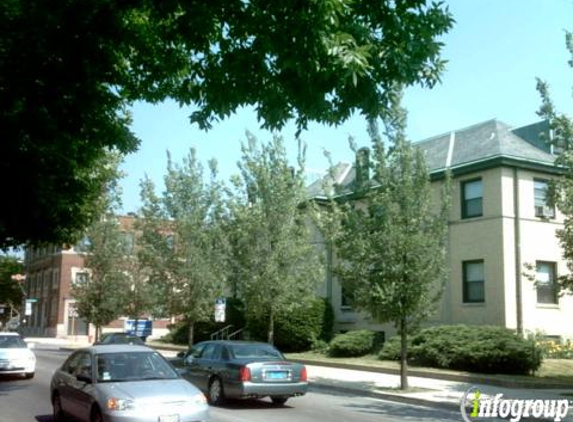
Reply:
x=279, y=400
x=57, y=409
x=216, y=392
x=96, y=415
x=29, y=375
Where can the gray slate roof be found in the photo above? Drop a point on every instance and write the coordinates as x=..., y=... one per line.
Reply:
x=463, y=147
x=489, y=139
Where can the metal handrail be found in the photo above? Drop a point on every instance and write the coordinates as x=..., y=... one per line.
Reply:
x=221, y=332
x=233, y=334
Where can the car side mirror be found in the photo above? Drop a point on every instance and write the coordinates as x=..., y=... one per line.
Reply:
x=189, y=359
x=182, y=355
x=84, y=378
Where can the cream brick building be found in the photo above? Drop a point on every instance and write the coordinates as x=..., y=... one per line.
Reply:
x=499, y=223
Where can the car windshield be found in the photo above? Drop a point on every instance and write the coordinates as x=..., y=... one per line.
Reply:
x=132, y=366
x=12, y=342
x=255, y=351
x=120, y=339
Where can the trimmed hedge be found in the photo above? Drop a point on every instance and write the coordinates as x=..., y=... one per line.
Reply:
x=485, y=349
x=352, y=344
x=296, y=331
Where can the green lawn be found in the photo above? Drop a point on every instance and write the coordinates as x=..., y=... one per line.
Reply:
x=552, y=369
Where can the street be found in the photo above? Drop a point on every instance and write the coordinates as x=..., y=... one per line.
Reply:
x=28, y=401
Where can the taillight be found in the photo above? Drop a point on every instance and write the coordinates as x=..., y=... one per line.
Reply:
x=245, y=373
x=303, y=373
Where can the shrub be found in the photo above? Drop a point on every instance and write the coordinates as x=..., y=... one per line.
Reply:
x=296, y=331
x=352, y=344
x=319, y=346
x=485, y=349
x=391, y=349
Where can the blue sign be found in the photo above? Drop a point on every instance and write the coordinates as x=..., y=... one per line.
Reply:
x=143, y=329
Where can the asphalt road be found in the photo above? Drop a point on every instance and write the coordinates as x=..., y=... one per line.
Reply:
x=28, y=401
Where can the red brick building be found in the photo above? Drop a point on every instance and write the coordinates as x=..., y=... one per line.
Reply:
x=50, y=273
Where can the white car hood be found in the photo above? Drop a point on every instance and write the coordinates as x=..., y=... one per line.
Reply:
x=13, y=353
x=150, y=392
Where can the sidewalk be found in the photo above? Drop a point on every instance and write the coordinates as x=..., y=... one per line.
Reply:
x=424, y=391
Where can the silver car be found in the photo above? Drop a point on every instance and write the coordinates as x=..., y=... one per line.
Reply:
x=125, y=383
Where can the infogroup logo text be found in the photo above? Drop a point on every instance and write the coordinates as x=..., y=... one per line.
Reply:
x=515, y=409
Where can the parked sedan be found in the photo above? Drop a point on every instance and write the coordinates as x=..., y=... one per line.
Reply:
x=238, y=369
x=119, y=338
x=15, y=356
x=126, y=383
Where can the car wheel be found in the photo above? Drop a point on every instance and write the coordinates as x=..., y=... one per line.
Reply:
x=280, y=400
x=29, y=375
x=96, y=415
x=216, y=392
x=57, y=407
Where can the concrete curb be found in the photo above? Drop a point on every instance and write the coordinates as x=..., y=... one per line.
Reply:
x=470, y=379
x=387, y=396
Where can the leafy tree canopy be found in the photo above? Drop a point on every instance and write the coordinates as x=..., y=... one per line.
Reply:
x=275, y=264
x=182, y=244
x=11, y=292
x=391, y=238
x=561, y=191
x=70, y=69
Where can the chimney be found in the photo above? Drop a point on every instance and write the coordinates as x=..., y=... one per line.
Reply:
x=362, y=167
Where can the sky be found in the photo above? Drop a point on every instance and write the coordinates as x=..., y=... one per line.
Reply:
x=495, y=51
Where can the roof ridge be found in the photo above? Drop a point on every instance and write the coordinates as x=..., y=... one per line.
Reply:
x=431, y=138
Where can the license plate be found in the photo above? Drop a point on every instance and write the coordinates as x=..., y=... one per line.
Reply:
x=169, y=418
x=277, y=375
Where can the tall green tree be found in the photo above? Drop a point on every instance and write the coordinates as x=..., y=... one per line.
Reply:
x=276, y=265
x=70, y=70
x=11, y=290
x=390, y=238
x=561, y=192
x=182, y=242
x=101, y=297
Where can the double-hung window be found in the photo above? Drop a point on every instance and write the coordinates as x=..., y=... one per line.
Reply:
x=542, y=209
x=545, y=283
x=472, y=198
x=474, y=282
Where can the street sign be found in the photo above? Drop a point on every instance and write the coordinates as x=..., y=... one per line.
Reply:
x=143, y=328
x=32, y=300
x=28, y=310
x=220, y=305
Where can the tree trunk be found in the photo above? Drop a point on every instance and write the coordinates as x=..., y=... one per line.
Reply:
x=97, y=332
x=271, y=333
x=191, y=329
x=403, y=354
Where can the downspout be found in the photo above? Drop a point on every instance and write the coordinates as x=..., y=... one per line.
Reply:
x=517, y=249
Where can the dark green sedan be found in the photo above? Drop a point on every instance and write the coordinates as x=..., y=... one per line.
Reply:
x=240, y=369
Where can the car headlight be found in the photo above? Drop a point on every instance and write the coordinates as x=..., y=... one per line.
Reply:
x=115, y=403
x=199, y=399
